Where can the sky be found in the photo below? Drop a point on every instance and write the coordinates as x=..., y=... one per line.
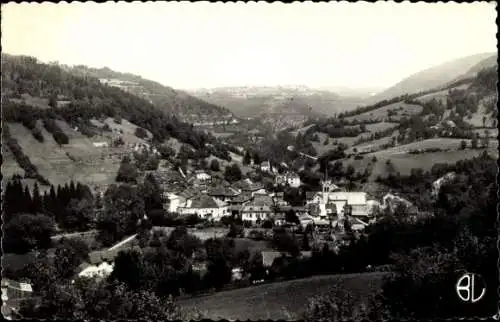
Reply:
x=202, y=45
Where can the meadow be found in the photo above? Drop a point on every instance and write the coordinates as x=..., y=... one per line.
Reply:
x=401, y=109
x=281, y=300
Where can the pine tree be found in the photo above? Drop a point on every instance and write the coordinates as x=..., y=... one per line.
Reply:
x=36, y=203
x=26, y=200
x=247, y=158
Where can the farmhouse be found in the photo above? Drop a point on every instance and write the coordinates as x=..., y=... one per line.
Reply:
x=247, y=186
x=205, y=207
x=265, y=166
x=223, y=193
x=289, y=178
x=258, y=210
x=96, y=271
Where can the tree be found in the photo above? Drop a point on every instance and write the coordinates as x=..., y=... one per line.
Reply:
x=256, y=158
x=79, y=215
x=485, y=142
x=127, y=172
x=286, y=243
x=291, y=217
x=90, y=300
x=153, y=198
x=214, y=165
x=305, y=242
x=235, y=230
x=122, y=214
x=36, y=202
x=183, y=242
x=69, y=254
x=26, y=232
x=220, y=254
x=247, y=158
x=129, y=269
x=233, y=173
x=141, y=133
x=474, y=143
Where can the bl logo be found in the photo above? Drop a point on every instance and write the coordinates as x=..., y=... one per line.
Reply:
x=471, y=288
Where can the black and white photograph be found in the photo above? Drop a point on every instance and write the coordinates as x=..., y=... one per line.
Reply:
x=332, y=161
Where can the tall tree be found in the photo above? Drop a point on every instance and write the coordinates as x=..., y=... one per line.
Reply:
x=122, y=214
x=247, y=158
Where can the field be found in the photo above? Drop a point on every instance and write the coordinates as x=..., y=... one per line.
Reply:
x=284, y=300
x=441, y=95
x=401, y=109
x=60, y=164
x=381, y=126
x=403, y=162
x=251, y=245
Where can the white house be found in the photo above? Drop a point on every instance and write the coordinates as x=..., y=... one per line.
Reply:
x=265, y=166
x=333, y=200
x=205, y=207
x=293, y=179
x=436, y=185
x=202, y=175
x=175, y=201
x=100, y=144
x=97, y=271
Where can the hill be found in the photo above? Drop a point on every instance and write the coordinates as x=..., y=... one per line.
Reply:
x=54, y=119
x=174, y=102
x=433, y=77
x=280, y=107
x=277, y=301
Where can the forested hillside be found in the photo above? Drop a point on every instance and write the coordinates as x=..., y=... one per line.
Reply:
x=34, y=92
x=174, y=102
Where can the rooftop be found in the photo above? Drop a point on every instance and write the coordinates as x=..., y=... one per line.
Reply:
x=204, y=201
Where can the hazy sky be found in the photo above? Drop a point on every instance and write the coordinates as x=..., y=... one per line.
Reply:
x=188, y=45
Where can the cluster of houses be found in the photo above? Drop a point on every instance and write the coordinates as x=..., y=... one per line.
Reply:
x=212, y=198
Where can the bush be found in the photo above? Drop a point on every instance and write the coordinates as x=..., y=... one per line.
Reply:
x=141, y=133
x=59, y=136
x=37, y=134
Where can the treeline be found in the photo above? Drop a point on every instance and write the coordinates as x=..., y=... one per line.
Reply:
x=30, y=170
x=71, y=206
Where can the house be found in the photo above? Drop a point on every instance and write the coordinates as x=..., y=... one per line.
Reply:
x=279, y=220
x=202, y=176
x=13, y=293
x=279, y=199
x=268, y=258
x=292, y=179
x=436, y=185
x=205, y=207
x=246, y=185
x=222, y=192
x=354, y=199
x=102, y=270
x=265, y=166
x=100, y=144
x=260, y=208
x=237, y=274
x=236, y=204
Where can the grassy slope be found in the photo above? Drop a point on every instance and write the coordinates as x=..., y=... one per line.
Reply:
x=284, y=300
x=79, y=160
x=381, y=113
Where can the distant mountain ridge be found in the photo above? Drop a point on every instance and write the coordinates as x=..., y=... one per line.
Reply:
x=435, y=76
x=260, y=101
